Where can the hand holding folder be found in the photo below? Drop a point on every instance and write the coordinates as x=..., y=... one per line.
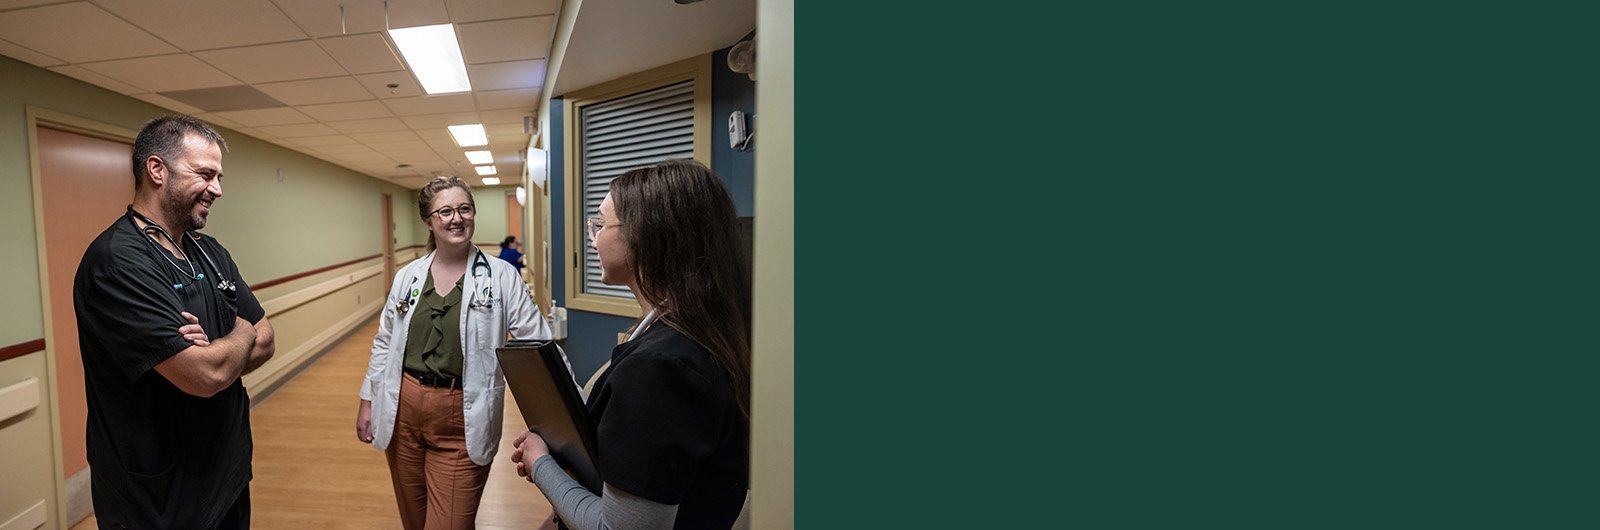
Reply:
x=541, y=381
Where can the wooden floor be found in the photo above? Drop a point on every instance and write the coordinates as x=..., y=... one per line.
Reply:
x=311, y=472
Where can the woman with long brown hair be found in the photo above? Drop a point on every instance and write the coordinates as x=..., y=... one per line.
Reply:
x=672, y=412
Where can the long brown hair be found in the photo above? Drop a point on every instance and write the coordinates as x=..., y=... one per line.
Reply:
x=689, y=260
x=425, y=197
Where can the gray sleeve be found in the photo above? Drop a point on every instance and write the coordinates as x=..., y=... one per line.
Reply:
x=614, y=509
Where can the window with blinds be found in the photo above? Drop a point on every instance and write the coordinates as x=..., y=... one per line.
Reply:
x=622, y=134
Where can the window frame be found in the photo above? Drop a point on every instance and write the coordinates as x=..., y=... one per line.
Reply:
x=697, y=69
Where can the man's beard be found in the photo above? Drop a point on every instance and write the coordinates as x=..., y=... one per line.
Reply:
x=181, y=213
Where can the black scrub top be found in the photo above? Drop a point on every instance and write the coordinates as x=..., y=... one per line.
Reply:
x=161, y=458
x=669, y=428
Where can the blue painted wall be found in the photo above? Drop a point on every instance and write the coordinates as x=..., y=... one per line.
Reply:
x=591, y=336
x=731, y=91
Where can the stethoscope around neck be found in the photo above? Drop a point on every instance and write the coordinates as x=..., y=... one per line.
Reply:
x=193, y=273
x=482, y=298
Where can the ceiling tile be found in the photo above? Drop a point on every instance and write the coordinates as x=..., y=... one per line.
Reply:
x=438, y=122
x=314, y=91
x=169, y=103
x=264, y=117
x=21, y=53
x=365, y=159
x=164, y=73
x=13, y=4
x=274, y=62
x=501, y=76
x=378, y=137
x=320, y=18
x=377, y=85
x=362, y=54
x=298, y=130
x=218, y=99
x=439, y=134
x=475, y=10
x=431, y=104
x=355, y=110
x=499, y=130
x=340, y=150
x=219, y=121
x=522, y=98
x=205, y=25
x=402, y=145
x=323, y=141
x=81, y=74
x=505, y=116
x=255, y=132
x=372, y=125
x=505, y=40
x=41, y=29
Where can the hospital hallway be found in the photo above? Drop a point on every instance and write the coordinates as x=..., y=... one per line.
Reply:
x=310, y=472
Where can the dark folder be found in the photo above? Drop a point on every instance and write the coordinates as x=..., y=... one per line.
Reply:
x=536, y=372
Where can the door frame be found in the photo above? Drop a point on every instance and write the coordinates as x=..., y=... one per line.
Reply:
x=388, y=240
x=36, y=117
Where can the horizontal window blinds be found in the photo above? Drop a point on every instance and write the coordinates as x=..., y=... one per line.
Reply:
x=622, y=134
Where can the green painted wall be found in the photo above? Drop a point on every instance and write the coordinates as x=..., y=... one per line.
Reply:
x=319, y=214
x=491, y=222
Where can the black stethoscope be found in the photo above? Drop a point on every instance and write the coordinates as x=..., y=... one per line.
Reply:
x=195, y=274
x=483, y=299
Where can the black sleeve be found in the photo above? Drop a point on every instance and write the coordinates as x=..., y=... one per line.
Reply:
x=135, y=313
x=248, y=307
x=662, y=420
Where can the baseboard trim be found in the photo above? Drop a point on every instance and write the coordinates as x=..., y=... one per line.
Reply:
x=80, y=503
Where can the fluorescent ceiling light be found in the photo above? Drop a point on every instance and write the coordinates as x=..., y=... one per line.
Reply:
x=480, y=157
x=491, y=181
x=485, y=170
x=434, y=56
x=469, y=135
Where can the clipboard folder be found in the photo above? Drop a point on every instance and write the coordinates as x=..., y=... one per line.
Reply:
x=536, y=372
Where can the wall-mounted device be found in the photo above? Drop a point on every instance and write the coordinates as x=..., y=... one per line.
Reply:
x=738, y=133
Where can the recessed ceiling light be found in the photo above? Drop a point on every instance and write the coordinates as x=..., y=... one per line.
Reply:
x=469, y=135
x=485, y=170
x=491, y=181
x=434, y=56
x=480, y=157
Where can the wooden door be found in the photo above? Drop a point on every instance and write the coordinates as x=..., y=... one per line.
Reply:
x=87, y=182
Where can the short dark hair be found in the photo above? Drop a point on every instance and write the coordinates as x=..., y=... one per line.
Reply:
x=163, y=137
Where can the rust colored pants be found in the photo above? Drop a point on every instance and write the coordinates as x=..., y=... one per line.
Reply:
x=435, y=482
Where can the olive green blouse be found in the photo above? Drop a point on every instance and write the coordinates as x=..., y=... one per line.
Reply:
x=433, y=343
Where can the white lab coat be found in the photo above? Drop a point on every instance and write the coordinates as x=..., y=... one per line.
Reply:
x=482, y=329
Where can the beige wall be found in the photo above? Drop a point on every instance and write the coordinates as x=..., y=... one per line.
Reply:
x=318, y=214
x=772, y=420
x=28, y=462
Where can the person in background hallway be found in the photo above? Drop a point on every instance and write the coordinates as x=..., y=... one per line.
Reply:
x=511, y=251
x=169, y=420
x=672, y=412
x=433, y=397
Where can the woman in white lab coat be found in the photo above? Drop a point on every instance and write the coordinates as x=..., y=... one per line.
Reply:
x=433, y=397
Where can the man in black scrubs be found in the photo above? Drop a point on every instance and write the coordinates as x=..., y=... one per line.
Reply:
x=167, y=326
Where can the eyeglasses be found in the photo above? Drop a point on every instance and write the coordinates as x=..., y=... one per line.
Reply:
x=596, y=224
x=466, y=211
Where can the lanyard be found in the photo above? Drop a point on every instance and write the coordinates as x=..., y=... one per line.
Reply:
x=649, y=318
